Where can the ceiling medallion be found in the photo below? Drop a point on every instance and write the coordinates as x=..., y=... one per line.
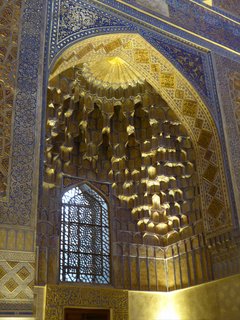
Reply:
x=111, y=78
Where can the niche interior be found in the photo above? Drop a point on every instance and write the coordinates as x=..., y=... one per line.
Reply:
x=106, y=126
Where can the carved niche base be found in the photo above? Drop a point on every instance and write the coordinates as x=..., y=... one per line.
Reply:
x=59, y=297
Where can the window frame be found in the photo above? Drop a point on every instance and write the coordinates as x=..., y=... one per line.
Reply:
x=78, y=184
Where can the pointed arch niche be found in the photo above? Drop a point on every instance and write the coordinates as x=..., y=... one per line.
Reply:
x=157, y=152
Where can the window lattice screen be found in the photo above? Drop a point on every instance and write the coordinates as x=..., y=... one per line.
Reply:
x=84, y=247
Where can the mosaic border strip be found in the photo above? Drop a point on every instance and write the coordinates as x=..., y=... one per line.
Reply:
x=18, y=210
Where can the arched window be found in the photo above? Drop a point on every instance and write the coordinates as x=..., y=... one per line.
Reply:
x=84, y=246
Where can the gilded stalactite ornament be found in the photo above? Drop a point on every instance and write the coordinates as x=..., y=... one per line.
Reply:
x=187, y=105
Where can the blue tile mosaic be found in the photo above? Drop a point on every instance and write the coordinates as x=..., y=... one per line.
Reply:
x=74, y=20
x=198, y=19
x=18, y=210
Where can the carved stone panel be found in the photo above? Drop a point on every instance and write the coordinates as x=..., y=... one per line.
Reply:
x=60, y=296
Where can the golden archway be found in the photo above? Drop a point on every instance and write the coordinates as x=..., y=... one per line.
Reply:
x=182, y=98
x=154, y=249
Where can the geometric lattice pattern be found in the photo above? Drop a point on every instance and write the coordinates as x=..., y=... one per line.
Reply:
x=9, y=20
x=84, y=251
x=23, y=273
x=2, y=272
x=16, y=280
x=11, y=285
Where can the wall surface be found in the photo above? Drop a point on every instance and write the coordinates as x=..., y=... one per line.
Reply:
x=218, y=300
x=79, y=296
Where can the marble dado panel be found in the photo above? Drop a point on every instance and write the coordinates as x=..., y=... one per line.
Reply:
x=215, y=300
x=17, y=271
x=10, y=12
